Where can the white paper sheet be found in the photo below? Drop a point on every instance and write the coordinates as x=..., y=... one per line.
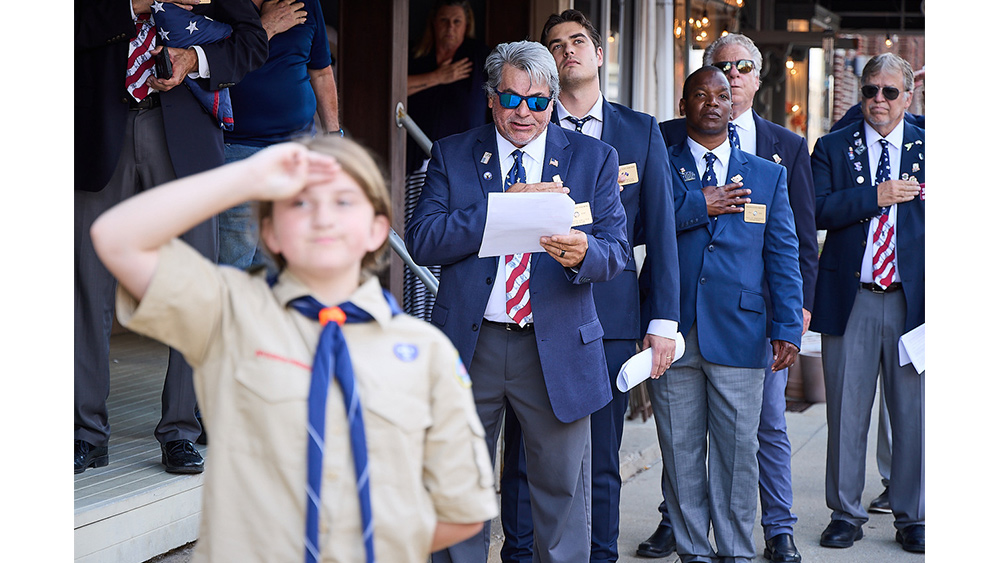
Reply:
x=515, y=222
x=911, y=349
x=636, y=369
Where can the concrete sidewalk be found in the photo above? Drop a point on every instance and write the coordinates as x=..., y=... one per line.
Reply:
x=807, y=433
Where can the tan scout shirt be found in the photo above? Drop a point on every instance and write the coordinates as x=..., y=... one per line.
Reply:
x=252, y=355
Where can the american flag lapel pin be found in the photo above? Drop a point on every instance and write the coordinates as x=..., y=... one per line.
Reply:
x=486, y=157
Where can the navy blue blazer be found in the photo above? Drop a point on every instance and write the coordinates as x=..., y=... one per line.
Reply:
x=103, y=29
x=649, y=205
x=447, y=229
x=780, y=145
x=727, y=267
x=844, y=205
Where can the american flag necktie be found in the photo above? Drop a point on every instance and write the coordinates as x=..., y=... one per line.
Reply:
x=734, y=135
x=517, y=266
x=578, y=123
x=333, y=361
x=884, y=249
x=140, y=61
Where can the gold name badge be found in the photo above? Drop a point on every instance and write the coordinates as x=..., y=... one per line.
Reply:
x=754, y=213
x=628, y=174
x=581, y=214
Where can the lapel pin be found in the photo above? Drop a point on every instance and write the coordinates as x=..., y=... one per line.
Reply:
x=737, y=178
x=904, y=177
x=918, y=142
x=553, y=162
x=857, y=166
x=861, y=150
x=487, y=175
x=916, y=167
x=861, y=179
x=857, y=133
x=486, y=157
x=908, y=146
x=921, y=155
x=777, y=159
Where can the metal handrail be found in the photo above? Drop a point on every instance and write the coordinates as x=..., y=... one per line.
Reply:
x=404, y=120
x=425, y=275
x=421, y=272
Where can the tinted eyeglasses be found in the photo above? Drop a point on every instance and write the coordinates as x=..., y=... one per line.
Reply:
x=742, y=65
x=869, y=91
x=511, y=101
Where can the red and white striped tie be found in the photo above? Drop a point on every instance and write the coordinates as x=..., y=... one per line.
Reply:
x=140, y=61
x=518, y=266
x=883, y=245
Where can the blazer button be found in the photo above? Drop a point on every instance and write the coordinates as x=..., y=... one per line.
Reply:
x=489, y=281
x=711, y=248
x=475, y=327
x=857, y=275
x=703, y=281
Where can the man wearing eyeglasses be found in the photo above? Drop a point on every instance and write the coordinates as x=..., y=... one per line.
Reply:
x=740, y=60
x=869, y=198
x=527, y=324
x=646, y=194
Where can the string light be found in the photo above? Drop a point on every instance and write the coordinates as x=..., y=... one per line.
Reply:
x=888, y=40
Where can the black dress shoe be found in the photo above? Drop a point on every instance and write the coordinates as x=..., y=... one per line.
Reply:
x=180, y=456
x=840, y=533
x=912, y=538
x=781, y=549
x=87, y=455
x=881, y=503
x=660, y=544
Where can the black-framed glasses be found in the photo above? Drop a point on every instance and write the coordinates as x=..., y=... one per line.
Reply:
x=869, y=91
x=511, y=101
x=742, y=65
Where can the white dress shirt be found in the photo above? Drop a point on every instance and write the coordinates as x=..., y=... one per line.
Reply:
x=534, y=154
x=593, y=127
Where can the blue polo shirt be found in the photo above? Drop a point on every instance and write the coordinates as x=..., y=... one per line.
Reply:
x=276, y=102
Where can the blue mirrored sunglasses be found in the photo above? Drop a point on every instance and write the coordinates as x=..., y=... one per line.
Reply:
x=511, y=101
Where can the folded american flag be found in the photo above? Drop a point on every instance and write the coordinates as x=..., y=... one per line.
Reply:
x=180, y=28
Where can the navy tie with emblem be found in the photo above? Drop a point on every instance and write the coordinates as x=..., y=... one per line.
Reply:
x=734, y=135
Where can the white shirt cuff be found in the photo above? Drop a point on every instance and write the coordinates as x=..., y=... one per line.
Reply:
x=203, y=70
x=663, y=327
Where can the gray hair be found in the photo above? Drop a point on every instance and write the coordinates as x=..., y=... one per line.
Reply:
x=530, y=56
x=888, y=61
x=735, y=39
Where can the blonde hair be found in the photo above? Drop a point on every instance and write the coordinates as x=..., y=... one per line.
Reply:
x=359, y=163
x=426, y=44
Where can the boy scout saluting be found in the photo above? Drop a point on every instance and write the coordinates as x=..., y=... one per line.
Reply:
x=405, y=474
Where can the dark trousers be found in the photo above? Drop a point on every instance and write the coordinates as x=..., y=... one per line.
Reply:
x=606, y=427
x=144, y=163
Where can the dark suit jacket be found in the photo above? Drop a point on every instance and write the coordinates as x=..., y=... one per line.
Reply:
x=447, y=229
x=844, y=206
x=649, y=205
x=793, y=154
x=727, y=267
x=100, y=103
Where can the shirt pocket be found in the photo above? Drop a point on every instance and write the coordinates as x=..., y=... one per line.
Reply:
x=395, y=427
x=269, y=403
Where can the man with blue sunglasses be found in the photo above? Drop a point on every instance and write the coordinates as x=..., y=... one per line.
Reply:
x=645, y=191
x=526, y=324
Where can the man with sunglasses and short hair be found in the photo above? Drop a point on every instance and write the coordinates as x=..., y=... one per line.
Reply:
x=646, y=194
x=869, y=198
x=526, y=324
x=740, y=60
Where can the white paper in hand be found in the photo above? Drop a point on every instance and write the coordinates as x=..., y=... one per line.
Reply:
x=515, y=221
x=636, y=369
